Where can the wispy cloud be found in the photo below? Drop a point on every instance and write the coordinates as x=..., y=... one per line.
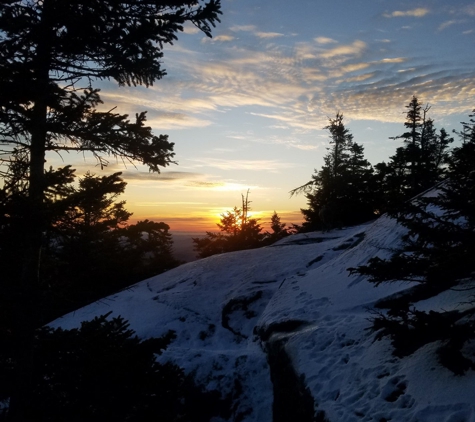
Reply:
x=325, y=40
x=221, y=186
x=294, y=86
x=249, y=165
x=361, y=78
x=183, y=181
x=268, y=34
x=446, y=24
x=245, y=28
x=190, y=29
x=354, y=49
x=255, y=31
x=415, y=13
x=164, y=176
x=393, y=60
x=166, y=203
x=469, y=10
x=354, y=67
x=218, y=38
x=205, y=184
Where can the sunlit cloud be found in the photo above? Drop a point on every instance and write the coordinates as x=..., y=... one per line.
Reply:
x=164, y=176
x=221, y=186
x=166, y=203
x=286, y=141
x=269, y=34
x=313, y=75
x=416, y=13
x=354, y=49
x=393, y=60
x=253, y=29
x=205, y=184
x=360, y=78
x=170, y=112
x=218, y=38
x=295, y=86
x=446, y=25
x=325, y=40
x=384, y=102
x=409, y=69
x=165, y=121
x=187, y=182
x=354, y=67
x=190, y=29
x=245, y=28
x=295, y=121
x=305, y=51
x=250, y=165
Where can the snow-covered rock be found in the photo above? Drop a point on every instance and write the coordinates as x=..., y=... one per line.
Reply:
x=228, y=309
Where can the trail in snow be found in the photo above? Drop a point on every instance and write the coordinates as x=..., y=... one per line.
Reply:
x=226, y=309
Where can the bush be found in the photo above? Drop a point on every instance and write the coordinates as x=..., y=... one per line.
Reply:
x=103, y=371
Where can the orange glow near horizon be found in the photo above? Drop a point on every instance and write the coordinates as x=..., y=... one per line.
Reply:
x=207, y=222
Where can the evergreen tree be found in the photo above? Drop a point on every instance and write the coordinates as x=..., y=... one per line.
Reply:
x=419, y=164
x=238, y=231
x=150, y=245
x=90, y=250
x=279, y=230
x=87, y=256
x=342, y=184
x=102, y=371
x=437, y=255
x=51, y=52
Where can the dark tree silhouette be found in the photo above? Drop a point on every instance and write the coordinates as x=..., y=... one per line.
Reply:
x=342, y=184
x=51, y=51
x=238, y=231
x=279, y=230
x=437, y=255
x=103, y=371
x=89, y=250
x=419, y=164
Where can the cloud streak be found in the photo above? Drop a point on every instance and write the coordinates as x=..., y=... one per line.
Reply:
x=354, y=49
x=247, y=165
x=164, y=176
x=414, y=13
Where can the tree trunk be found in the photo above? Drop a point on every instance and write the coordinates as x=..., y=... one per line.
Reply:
x=28, y=298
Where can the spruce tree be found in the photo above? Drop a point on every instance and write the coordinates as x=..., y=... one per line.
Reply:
x=51, y=52
x=437, y=255
x=101, y=371
x=417, y=165
x=90, y=249
x=342, y=184
x=238, y=231
x=278, y=229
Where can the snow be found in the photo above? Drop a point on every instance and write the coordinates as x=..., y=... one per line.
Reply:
x=224, y=308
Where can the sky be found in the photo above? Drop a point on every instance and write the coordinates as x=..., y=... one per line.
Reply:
x=247, y=108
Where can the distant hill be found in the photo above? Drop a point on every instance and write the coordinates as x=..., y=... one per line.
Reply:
x=283, y=331
x=183, y=245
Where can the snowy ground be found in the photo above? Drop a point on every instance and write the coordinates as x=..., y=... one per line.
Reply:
x=227, y=309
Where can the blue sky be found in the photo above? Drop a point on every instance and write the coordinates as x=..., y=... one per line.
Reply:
x=246, y=109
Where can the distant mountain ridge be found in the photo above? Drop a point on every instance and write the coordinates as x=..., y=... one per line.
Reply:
x=183, y=249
